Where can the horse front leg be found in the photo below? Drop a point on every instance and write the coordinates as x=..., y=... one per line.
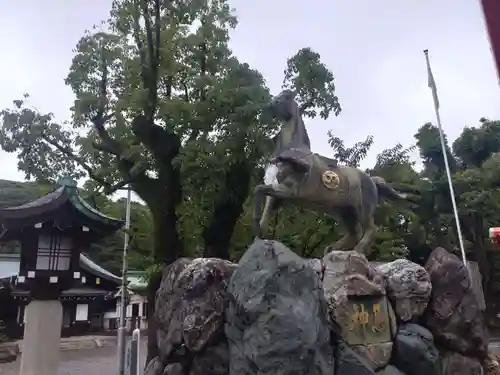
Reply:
x=258, y=195
x=260, y=219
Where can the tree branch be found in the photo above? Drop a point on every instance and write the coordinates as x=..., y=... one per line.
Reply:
x=149, y=62
x=151, y=79
x=108, y=144
x=137, y=37
x=108, y=188
x=162, y=143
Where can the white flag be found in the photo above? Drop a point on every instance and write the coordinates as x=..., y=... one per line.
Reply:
x=431, y=81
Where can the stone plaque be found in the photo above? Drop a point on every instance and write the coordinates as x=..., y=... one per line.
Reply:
x=368, y=320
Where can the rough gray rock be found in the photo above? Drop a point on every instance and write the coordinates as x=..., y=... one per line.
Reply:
x=190, y=311
x=457, y=364
x=350, y=363
x=378, y=355
x=357, y=302
x=173, y=369
x=491, y=365
x=414, y=351
x=168, y=336
x=213, y=361
x=277, y=321
x=390, y=370
x=408, y=286
x=154, y=367
x=453, y=315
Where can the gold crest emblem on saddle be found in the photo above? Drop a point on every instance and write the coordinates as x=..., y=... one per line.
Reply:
x=331, y=180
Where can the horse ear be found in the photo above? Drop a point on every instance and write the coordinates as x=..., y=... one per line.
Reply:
x=289, y=94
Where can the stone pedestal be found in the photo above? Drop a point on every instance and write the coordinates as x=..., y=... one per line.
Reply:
x=42, y=335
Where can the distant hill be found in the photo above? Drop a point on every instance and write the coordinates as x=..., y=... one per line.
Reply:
x=15, y=193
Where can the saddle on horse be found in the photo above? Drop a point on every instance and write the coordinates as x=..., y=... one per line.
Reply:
x=300, y=158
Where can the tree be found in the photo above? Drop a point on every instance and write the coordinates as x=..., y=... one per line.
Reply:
x=314, y=84
x=162, y=105
x=431, y=153
x=476, y=145
x=349, y=156
x=399, y=234
x=475, y=175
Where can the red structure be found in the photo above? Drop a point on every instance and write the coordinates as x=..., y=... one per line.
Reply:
x=491, y=10
x=495, y=235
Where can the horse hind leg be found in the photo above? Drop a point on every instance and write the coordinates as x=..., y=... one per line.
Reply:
x=370, y=229
x=353, y=235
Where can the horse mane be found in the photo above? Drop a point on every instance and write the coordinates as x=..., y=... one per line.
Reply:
x=299, y=127
x=293, y=133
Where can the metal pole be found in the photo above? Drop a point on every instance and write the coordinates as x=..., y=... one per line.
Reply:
x=452, y=191
x=447, y=168
x=123, y=301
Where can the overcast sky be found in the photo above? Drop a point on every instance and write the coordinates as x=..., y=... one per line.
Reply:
x=374, y=48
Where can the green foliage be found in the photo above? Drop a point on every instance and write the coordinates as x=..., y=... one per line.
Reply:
x=13, y=193
x=350, y=156
x=476, y=145
x=429, y=145
x=162, y=104
x=313, y=82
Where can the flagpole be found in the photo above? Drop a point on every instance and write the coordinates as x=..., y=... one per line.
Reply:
x=432, y=86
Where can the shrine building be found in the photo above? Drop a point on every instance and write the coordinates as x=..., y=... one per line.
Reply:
x=54, y=232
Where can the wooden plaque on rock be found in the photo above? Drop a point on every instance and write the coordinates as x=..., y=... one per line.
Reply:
x=368, y=321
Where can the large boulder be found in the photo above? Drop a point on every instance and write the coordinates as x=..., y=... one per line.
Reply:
x=390, y=370
x=453, y=315
x=408, y=286
x=457, y=364
x=350, y=363
x=154, y=367
x=414, y=351
x=357, y=302
x=190, y=312
x=277, y=321
x=491, y=365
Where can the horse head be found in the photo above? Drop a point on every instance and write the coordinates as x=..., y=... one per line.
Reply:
x=283, y=106
x=293, y=133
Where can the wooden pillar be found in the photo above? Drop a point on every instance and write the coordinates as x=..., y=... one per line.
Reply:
x=491, y=11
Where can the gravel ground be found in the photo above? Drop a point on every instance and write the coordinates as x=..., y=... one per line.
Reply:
x=100, y=361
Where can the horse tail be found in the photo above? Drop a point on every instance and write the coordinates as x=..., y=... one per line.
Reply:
x=387, y=191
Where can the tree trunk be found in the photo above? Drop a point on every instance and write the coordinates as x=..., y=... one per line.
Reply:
x=472, y=226
x=167, y=245
x=227, y=209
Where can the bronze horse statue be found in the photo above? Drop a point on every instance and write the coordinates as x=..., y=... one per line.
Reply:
x=297, y=175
